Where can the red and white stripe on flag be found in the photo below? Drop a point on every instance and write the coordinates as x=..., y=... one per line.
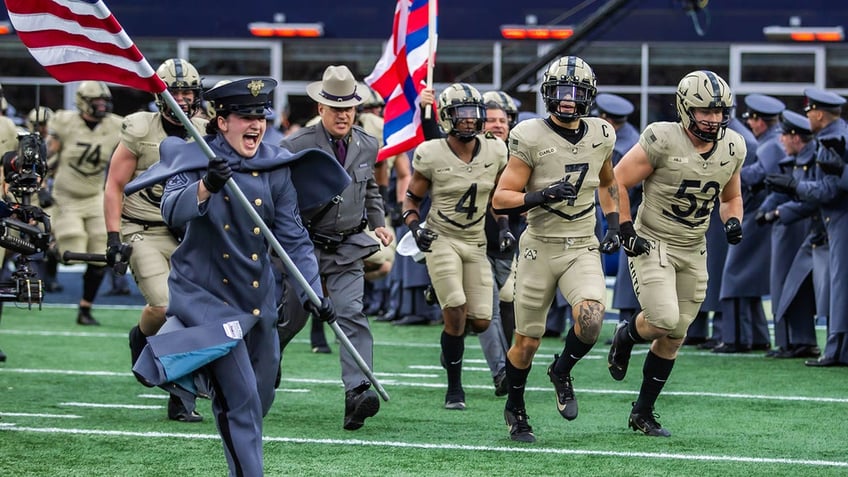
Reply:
x=77, y=40
x=399, y=76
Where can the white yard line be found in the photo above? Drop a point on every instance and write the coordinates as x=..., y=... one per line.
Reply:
x=439, y=446
x=47, y=416
x=109, y=406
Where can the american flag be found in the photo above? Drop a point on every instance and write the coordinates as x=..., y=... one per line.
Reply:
x=78, y=40
x=400, y=74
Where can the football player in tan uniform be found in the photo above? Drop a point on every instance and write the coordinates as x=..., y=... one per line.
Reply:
x=684, y=166
x=83, y=141
x=560, y=162
x=460, y=172
x=137, y=217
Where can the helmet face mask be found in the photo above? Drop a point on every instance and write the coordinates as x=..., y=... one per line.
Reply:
x=94, y=99
x=569, y=80
x=180, y=76
x=459, y=103
x=704, y=91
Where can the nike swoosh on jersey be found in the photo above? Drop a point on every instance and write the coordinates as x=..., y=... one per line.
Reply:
x=596, y=145
x=725, y=163
x=488, y=165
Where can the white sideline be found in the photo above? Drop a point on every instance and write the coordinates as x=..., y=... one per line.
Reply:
x=426, y=446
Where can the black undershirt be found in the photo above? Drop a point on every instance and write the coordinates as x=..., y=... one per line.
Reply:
x=571, y=135
x=172, y=129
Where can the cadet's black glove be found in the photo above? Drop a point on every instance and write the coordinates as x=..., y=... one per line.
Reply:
x=506, y=240
x=766, y=217
x=117, y=253
x=557, y=192
x=782, y=183
x=45, y=199
x=423, y=237
x=396, y=214
x=633, y=244
x=837, y=144
x=733, y=230
x=216, y=175
x=830, y=161
x=326, y=312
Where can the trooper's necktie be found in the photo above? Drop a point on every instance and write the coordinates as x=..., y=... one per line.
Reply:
x=341, y=150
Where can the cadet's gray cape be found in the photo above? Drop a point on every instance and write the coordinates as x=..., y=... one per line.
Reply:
x=176, y=352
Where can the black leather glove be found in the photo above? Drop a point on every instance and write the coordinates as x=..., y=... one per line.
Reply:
x=45, y=199
x=396, y=215
x=325, y=312
x=117, y=253
x=830, y=161
x=733, y=230
x=506, y=240
x=611, y=241
x=782, y=183
x=423, y=237
x=633, y=244
x=766, y=217
x=217, y=175
x=837, y=144
x=557, y=192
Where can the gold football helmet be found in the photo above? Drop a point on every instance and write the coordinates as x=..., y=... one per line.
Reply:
x=505, y=102
x=569, y=79
x=458, y=102
x=179, y=75
x=88, y=92
x=704, y=89
x=38, y=117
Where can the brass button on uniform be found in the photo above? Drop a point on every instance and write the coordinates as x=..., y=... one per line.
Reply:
x=258, y=202
x=254, y=257
x=226, y=256
x=256, y=230
x=225, y=281
x=255, y=284
x=226, y=226
x=256, y=312
x=254, y=174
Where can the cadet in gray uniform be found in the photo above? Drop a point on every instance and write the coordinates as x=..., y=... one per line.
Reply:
x=338, y=231
x=744, y=325
x=221, y=272
x=560, y=162
x=683, y=166
x=137, y=217
x=459, y=172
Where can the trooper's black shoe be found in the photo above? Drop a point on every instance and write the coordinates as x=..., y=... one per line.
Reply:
x=360, y=404
x=566, y=401
x=390, y=315
x=799, y=351
x=647, y=424
x=2, y=356
x=619, y=353
x=519, y=428
x=709, y=344
x=84, y=318
x=321, y=349
x=730, y=348
x=455, y=399
x=178, y=412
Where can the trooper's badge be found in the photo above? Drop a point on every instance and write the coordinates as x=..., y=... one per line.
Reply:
x=233, y=330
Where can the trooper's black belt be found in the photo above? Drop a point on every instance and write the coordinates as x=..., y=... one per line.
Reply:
x=330, y=241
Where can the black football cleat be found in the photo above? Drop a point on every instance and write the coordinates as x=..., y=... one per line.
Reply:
x=519, y=428
x=647, y=424
x=619, y=353
x=455, y=400
x=566, y=402
x=360, y=404
x=501, y=384
x=84, y=318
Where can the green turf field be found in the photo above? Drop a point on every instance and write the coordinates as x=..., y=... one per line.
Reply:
x=69, y=406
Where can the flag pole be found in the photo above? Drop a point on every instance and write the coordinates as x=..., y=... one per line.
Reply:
x=235, y=191
x=431, y=47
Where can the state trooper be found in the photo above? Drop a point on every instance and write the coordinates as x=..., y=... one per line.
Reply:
x=744, y=324
x=823, y=109
x=338, y=231
x=797, y=236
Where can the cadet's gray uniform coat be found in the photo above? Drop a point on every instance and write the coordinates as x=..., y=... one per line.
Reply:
x=342, y=270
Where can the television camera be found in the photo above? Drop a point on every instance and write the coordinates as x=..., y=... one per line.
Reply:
x=24, y=227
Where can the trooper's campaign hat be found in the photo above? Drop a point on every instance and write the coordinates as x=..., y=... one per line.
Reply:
x=762, y=106
x=250, y=97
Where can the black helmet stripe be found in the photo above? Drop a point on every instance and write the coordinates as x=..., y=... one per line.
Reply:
x=717, y=93
x=178, y=70
x=571, y=66
x=467, y=90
